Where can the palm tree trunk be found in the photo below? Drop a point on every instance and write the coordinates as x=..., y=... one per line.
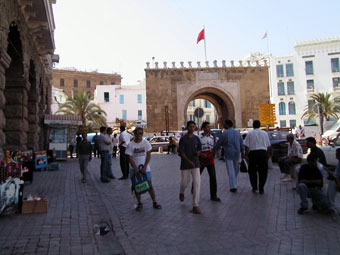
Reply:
x=320, y=119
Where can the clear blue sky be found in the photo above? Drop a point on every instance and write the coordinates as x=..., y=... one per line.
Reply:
x=122, y=35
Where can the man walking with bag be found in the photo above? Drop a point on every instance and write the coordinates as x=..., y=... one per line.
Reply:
x=139, y=153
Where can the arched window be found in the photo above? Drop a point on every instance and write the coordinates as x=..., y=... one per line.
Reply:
x=291, y=107
x=282, y=108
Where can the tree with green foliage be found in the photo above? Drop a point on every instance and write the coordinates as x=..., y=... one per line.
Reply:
x=322, y=106
x=91, y=114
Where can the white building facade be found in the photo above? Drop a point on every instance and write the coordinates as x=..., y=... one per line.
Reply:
x=122, y=102
x=312, y=68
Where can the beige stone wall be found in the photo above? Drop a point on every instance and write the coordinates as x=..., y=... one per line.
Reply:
x=236, y=93
x=95, y=78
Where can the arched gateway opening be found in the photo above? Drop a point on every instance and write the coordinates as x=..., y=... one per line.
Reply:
x=236, y=93
x=216, y=104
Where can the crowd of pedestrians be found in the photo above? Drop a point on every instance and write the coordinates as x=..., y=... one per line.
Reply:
x=198, y=152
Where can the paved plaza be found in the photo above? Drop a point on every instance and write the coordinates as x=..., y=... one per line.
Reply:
x=243, y=223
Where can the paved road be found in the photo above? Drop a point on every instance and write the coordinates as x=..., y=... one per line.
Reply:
x=243, y=223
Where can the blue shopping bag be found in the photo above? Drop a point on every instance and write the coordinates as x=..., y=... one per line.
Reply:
x=139, y=181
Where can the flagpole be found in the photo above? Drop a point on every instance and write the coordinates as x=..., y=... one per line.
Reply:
x=267, y=43
x=205, y=45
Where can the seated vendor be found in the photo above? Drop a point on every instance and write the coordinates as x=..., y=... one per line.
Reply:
x=172, y=145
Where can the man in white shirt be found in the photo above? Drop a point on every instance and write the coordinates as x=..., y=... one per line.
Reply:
x=124, y=140
x=139, y=153
x=257, y=149
x=207, y=159
x=295, y=155
x=109, y=133
x=300, y=132
x=104, y=143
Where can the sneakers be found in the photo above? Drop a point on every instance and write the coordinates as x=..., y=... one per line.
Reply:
x=287, y=179
x=181, y=197
x=233, y=190
x=302, y=210
x=196, y=210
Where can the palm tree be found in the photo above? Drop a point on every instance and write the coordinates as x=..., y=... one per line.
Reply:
x=91, y=114
x=322, y=106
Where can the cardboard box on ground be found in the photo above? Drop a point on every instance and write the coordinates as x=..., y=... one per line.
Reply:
x=34, y=206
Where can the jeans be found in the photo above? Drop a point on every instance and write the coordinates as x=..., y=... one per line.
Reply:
x=104, y=164
x=110, y=172
x=233, y=170
x=318, y=198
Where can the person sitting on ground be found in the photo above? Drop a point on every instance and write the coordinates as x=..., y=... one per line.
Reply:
x=295, y=155
x=300, y=132
x=172, y=145
x=323, y=166
x=310, y=182
x=334, y=182
x=139, y=152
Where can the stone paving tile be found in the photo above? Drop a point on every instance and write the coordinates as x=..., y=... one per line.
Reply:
x=67, y=227
x=243, y=223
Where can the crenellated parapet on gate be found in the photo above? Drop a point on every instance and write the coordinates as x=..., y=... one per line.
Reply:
x=235, y=90
x=240, y=63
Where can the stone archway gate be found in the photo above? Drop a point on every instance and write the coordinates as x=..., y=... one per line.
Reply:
x=235, y=91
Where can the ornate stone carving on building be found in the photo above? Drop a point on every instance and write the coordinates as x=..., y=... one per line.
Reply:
x=235, y=91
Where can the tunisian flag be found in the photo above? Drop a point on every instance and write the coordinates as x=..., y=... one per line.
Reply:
x=200, y=36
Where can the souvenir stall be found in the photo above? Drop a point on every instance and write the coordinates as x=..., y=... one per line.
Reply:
x=62, y=128
x=13, y=170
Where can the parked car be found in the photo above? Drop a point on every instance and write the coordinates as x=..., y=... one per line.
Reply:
x=329, y=150
x=279, y=144
x=160, y=141
x=216, y=131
